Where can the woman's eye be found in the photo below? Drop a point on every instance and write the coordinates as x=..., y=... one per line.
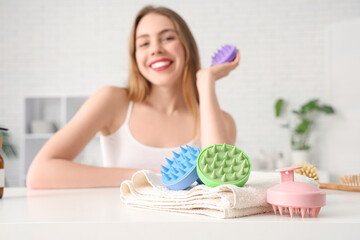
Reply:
x=168, y=38
x=143, y=44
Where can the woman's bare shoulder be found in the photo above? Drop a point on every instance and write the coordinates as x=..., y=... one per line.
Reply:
x=112, y=92
x=110, y=97
x=115, y=101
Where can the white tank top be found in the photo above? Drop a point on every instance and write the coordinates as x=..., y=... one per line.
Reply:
x=121, y=149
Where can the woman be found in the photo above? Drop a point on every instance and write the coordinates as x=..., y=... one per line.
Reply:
x=169, y=102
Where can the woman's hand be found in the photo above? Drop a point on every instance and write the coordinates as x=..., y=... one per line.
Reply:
x=213, y=73
x=157, y=171
x=216, y=126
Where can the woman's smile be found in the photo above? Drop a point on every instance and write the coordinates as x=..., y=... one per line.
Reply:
x=161, y=64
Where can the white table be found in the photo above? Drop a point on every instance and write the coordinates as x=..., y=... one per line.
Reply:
x=99, y=214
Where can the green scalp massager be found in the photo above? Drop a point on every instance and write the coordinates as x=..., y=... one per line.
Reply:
x=223, y=164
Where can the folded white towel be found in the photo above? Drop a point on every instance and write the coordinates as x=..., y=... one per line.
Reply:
x=146, y=190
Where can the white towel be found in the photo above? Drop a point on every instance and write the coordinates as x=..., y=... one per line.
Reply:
x=146, y=190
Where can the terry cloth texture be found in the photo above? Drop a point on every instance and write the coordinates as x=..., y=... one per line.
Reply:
x=146, y=190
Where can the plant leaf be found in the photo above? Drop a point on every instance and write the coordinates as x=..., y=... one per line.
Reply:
x=303, y=126
x=8, y=148
x=309, y=106
x=297, y=112
x=326, y=109
x=278, y=107
x=305, y=147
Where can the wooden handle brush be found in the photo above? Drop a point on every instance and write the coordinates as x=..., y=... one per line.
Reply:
x=347, y=183
x=342, y=187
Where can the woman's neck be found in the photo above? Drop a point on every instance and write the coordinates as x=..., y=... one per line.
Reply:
x=167, y=99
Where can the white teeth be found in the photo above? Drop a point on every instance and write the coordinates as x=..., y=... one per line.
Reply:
x=160, y=64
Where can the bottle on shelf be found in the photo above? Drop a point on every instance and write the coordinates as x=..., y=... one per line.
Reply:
x=2, y=170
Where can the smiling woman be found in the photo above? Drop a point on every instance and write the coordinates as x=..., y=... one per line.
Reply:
x=169, y=101
x=167, y=26
x=160, y=54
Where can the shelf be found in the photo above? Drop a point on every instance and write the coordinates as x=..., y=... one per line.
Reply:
x=43, y=116
x=38, y=135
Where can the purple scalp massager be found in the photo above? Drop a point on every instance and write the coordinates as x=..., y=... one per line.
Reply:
x=226, y=53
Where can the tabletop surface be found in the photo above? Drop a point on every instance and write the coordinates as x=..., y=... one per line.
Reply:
x=76, y=209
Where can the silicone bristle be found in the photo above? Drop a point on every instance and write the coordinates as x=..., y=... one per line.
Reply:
x=164, y=168
x=291, y=210
x=281, y=210
x=225, y=54
x=313, y=211
x=176, y=154
x=223, y=164
x=303, y=212
x=165, y=175
x=183, y=149
x=274, y=208
x=180, y=171
x=169, y=161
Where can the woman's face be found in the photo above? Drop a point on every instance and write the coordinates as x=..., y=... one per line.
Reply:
x=159, y=54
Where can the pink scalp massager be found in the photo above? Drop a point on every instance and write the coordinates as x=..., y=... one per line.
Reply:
x=295, y=196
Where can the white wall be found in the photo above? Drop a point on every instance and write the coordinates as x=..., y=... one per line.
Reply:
x=342, y=139
x=77, y=46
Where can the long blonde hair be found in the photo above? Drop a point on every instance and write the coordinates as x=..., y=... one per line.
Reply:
x=139, y=88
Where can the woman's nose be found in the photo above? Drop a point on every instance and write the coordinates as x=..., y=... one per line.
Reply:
x=156, y=48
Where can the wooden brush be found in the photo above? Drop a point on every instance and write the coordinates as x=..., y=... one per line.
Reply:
x=351, y=180
x=308, y=170
x=342, y=187
x=347, y=183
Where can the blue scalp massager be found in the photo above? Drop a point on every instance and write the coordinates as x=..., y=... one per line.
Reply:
x=180, y=171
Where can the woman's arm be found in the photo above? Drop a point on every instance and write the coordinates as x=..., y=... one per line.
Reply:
x=53, y=166
x=216, y=126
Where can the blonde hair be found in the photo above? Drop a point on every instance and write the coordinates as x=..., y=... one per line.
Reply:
x=139, y=88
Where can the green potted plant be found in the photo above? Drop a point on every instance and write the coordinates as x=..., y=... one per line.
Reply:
x=7, y=147
x=300, y=133
x=8, y=150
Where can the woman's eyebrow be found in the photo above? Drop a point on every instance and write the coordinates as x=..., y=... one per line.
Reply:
x=159, y=33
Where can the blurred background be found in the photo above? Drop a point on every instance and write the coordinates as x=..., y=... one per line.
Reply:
x=56, y=53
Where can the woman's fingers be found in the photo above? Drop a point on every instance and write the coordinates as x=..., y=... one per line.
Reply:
x=236, y=61
x=219, y=71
